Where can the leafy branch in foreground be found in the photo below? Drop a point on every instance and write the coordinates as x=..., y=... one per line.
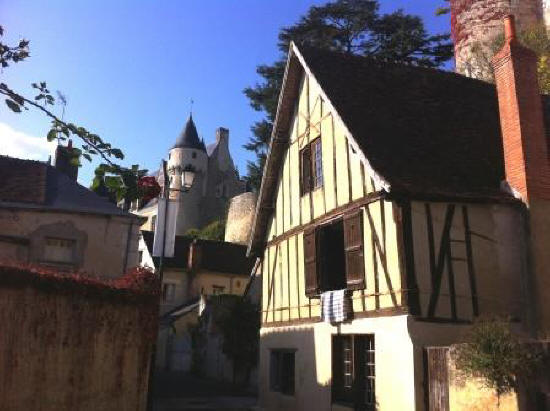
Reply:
x=120, y=181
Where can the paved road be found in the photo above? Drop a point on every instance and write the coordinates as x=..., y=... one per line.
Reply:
x=177, y=391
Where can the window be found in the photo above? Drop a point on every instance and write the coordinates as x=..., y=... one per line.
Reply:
x=140, y=256
x=353, y=370
x=217, y=289
x=153, y=222
x=168, y=292
x=59, y=250
x=333, y=255
x=281, y=369
x=311, y=167
x=193, y=154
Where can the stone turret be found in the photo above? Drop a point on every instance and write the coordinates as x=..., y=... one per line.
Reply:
x=240, y=217
x=478, y=22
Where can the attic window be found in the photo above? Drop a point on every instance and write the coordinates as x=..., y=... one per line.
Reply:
x=311, y=166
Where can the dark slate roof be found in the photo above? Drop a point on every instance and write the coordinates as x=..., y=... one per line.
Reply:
x=216, y=255
x=189, y=138
x=60, y=193
x=422, y=130
x=425, y=132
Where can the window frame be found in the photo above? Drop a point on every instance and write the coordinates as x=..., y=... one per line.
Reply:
x=165, y=287
x=278, y=381
x=312, y=153
x=73, y=247
x=363, y=352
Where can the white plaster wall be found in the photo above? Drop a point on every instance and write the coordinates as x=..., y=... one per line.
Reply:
x=313, y=363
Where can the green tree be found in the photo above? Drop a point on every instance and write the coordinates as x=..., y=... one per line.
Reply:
x=239, y=322
x=118, y=180
x=349, y=26
x=496, y=356
x=214, y=231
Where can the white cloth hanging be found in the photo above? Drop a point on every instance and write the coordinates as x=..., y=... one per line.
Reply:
x=336, y=306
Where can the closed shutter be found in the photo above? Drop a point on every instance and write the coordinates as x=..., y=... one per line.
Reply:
x=353, y=244
x=310, y=258
x=305, y=175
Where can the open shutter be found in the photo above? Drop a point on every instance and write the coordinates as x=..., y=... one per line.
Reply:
x=305, y=172
x=310, y=258
x=353, y=244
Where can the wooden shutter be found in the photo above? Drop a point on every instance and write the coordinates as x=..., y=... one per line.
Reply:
x=305, y=172
x=438, y=378
x=310, y=259
x=353, y=244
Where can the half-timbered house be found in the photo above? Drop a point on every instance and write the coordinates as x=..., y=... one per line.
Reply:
x=385, y=181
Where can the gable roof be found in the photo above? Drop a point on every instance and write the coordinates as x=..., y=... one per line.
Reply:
x=36, y=185
x=217, y=256
x=421, y=132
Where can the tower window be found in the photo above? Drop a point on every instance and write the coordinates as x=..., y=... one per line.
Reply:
x=194, y=154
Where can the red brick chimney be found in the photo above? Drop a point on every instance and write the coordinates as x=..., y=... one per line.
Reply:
x=195, y=256
x=521, y=118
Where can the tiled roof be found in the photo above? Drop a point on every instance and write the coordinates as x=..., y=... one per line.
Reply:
x=36, y=185
x=217, y=256
x=425, y=133
x=422, y=130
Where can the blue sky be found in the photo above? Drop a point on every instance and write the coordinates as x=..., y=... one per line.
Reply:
x=129, y=67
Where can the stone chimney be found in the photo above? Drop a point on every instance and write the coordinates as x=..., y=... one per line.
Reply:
x=195, y=256
x=222, y=133
x=63, y=160
x=521, y=118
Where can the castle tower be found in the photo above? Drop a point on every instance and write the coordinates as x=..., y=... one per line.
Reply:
x=188, y=150
x=475, y=23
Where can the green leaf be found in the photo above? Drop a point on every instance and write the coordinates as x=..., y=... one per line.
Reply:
x=87, y=156
x=52, y=134
x=13, y=106
x=117, y=153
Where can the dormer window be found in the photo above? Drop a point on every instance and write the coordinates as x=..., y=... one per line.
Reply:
x=311, y=167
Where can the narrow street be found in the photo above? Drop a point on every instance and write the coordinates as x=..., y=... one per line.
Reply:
x=175, y=391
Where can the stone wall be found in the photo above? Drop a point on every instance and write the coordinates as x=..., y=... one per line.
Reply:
x=240, y=218
x=479, y=21
x=72, y=343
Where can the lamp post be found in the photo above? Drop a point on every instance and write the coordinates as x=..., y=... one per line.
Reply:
x=187, y=178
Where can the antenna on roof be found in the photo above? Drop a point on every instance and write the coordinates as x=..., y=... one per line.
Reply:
x=63, y=101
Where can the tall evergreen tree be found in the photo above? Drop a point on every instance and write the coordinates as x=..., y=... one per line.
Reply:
x=349, y=26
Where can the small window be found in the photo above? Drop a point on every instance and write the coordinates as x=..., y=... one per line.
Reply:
x=140, y=257
x=311, y=166
x=59, y=250
x=153, y=222
x=168, y=292
x=353, y=371
x=193, y=154
x=281, y=368
x=217, y=289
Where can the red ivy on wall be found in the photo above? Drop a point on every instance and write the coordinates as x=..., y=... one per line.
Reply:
x=149, y=188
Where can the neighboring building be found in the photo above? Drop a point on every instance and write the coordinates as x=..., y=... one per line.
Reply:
x=216, y=180
x=46, y=217
x=199, y=269
x=382, y=192
x=478, y=22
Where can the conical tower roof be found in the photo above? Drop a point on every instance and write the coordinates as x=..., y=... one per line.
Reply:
x=189, y=138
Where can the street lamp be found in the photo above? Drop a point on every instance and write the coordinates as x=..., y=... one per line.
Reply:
x=187, y=177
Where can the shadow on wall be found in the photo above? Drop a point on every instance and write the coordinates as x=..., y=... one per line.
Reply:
x=283, y=349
